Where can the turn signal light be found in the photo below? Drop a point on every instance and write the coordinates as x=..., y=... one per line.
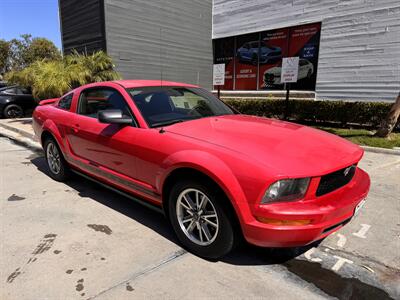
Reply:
x=283, y=222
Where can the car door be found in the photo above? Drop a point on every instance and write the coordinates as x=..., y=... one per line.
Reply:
x=242, y=51
x=24, y=98
x=246, y=52
x=103, y=147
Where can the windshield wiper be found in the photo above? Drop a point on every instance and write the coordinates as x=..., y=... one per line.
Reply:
x=165, y=123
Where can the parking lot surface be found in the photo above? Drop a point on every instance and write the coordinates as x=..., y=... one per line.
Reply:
x=77, y=240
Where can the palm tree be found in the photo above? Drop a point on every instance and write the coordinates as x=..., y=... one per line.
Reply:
x=50, y=79
x=99, y=66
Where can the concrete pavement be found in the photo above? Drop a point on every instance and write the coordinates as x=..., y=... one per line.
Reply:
x=81, y=241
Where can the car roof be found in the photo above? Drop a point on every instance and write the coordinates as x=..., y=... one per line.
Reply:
x=8, y=87
x=145, y=83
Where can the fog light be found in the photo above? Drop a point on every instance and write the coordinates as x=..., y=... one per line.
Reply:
x=283, y=222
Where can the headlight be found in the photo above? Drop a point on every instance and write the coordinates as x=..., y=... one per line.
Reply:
x=286, y=190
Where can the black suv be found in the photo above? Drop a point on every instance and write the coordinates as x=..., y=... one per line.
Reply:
x=15, y=101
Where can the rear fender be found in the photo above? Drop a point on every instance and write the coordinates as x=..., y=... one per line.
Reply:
x=51, y=127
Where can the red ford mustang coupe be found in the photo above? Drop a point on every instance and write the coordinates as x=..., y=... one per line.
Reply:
x=216, y=174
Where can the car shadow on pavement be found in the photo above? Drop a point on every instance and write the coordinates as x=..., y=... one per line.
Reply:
x=245, y=254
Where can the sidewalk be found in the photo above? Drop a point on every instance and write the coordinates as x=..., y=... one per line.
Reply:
x=20, y=131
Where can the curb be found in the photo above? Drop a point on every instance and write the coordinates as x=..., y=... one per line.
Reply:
x=381, y=150
x=20, y=139
x=19, y=131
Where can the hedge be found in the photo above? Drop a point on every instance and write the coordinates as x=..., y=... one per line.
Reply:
x=340, y=112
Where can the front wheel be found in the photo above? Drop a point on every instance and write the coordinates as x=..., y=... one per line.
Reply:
x=58, y=167
x=199, y=220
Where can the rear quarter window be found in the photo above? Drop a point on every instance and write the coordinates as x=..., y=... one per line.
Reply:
x=65, y=102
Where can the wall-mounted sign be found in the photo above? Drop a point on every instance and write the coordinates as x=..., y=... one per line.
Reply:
x=290, y=69
x=253, y=61
x=219, y=74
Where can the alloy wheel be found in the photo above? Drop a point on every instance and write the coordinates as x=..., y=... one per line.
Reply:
x=197, y=217
x=53, y=158
x=14, y=112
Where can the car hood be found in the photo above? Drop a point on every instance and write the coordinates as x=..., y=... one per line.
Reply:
x=274, y=70
x=289, y=149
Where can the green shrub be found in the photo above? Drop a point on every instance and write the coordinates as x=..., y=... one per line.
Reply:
x=341, y=112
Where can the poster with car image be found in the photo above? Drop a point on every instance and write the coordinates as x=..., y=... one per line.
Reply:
x=304, y=42
x=274, y=46
x=224, y=54
x=256, y=60
x=246, y=63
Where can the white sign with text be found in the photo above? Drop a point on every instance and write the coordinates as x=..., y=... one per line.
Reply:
x=219, y=74
x=290, y=69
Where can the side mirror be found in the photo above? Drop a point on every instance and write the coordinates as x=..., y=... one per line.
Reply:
x=113, y=116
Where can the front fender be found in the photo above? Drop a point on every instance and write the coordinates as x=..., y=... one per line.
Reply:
x=214, y=168
x=4, y=100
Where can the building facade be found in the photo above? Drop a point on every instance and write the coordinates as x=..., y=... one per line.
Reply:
x=348, y=49
x=154, y=39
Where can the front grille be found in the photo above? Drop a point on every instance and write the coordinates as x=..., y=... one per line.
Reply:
x=335, y=180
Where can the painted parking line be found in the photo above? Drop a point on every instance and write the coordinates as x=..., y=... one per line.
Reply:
x=363, y=231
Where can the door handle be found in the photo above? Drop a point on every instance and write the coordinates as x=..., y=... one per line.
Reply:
x=75, y=128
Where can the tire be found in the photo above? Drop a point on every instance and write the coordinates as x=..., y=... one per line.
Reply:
x=219, y=237
x=13, y=111
x=58, y=171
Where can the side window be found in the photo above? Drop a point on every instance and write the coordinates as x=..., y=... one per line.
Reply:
x=25, y=91
x=10, y=91
x=65, y=102
x=93, y=100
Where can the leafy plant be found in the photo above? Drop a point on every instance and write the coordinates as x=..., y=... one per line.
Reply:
x=53, y=78
x=4, y=55
x=339, y=112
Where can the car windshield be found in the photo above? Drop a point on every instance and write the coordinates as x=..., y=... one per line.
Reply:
x=161, y=106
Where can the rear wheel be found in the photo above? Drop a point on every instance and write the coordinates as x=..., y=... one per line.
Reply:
x=199, y=220
x=58, y=167
x=13, y=111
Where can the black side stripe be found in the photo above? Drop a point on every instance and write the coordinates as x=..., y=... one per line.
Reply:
x=136, y=199
x=92, y=168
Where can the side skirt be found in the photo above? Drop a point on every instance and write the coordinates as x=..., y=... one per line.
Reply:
x=131, y=197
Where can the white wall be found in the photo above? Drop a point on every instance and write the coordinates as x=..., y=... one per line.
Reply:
x=360, y=40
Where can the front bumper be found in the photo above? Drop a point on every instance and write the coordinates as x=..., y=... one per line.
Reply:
x=327, y=213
